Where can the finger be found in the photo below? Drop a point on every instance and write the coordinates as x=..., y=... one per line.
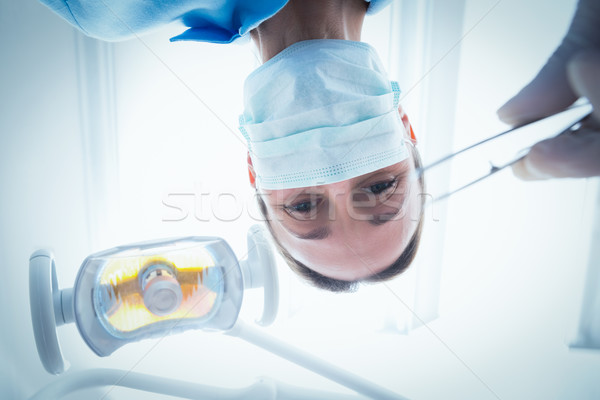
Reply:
x=583, y=72
x=565, y=156
x=548, y=93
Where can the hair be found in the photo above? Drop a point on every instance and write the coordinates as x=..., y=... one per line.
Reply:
x=338, y=285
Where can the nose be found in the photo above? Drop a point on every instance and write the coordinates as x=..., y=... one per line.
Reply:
x=342, y=215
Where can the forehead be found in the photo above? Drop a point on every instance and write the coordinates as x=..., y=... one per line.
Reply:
x=355, y=249
x=353, y=253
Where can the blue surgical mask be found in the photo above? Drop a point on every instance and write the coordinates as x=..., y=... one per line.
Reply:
x=320, y=112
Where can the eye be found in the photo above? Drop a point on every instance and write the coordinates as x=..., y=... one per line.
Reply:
x=382, y=187
x=303, y=207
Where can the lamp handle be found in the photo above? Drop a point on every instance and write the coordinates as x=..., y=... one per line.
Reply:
x=260, y=270
x=50, y=307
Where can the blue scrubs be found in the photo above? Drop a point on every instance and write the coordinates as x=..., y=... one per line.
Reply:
x=215, y=21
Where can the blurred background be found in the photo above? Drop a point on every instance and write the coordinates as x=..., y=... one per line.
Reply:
x=105, y=144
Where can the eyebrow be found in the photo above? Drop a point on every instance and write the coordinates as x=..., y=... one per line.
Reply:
x=324, y=232
x=315, y=234
x=381, y=219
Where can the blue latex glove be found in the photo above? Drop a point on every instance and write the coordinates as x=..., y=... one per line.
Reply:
x=573, y=71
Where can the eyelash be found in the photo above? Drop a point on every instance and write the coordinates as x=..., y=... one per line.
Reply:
x=388, y=185
x=306, y=207
x=303, y=207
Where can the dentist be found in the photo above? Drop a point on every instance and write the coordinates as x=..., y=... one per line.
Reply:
x=330, y=150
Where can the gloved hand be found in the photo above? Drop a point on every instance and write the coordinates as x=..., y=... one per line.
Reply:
x=571, y=72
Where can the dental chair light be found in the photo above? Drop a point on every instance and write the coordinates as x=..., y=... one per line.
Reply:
x=149, y=289
x=158, y=288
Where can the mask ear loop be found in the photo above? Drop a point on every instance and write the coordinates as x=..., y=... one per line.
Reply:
x=407, y=126
x=413, y=138
x=251, y=173
x=403, y=117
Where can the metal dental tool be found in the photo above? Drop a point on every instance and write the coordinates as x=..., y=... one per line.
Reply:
x=504, y=149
